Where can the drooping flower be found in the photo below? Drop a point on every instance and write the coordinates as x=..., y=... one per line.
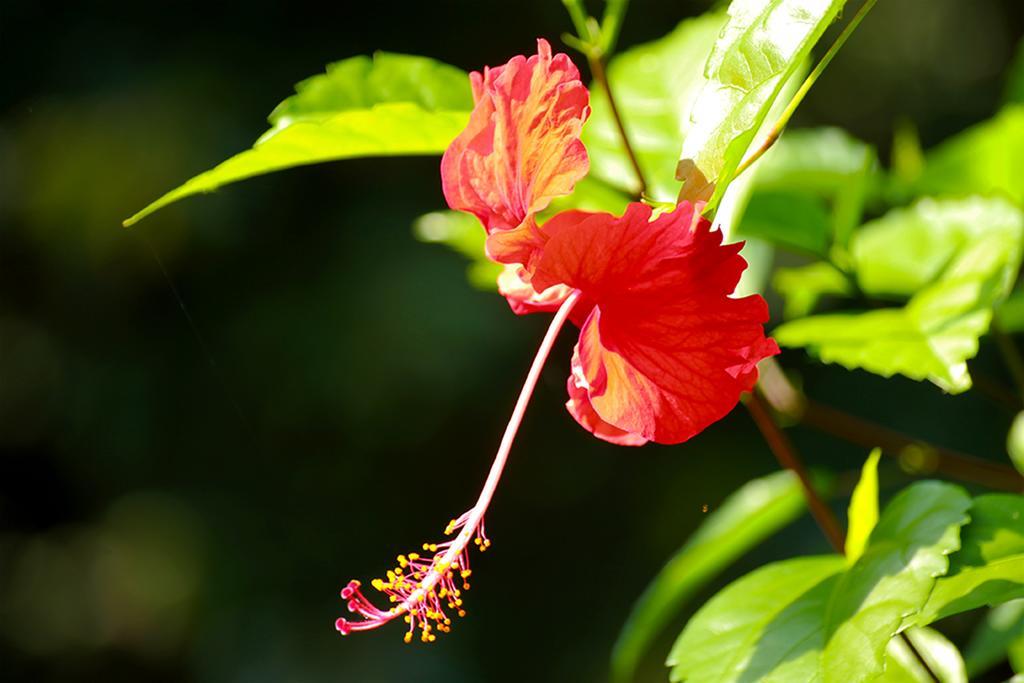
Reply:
x=664, y=349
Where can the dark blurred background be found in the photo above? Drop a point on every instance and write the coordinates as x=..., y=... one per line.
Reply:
x=184, y=489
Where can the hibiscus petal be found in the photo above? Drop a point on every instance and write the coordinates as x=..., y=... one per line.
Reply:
x=666, y=351
x=579, y=407
x=522, y=145
x=514, y=285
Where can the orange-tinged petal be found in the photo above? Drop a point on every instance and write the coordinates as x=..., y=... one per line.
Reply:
x=522, y=145
x=579, y=407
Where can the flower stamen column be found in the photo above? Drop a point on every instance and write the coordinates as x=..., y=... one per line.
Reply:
x=422, y=588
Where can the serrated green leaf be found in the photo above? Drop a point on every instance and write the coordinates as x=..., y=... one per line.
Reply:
x=863, y=512
x=989, y=568
x=987, y=159
x=1015, y=442
x=463, y=233
x=655, y=85
x=817, y=618
x=938, y=330
x=751, y=514
x=763, y=43
x=907, y=249
x=944, y=660
x=802, y=287
x=1002, y=627
x=390, y=105
x=771, y=614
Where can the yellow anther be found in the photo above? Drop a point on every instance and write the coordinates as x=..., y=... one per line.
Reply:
x=426, y=546
x=402, y=561
x=443, y=593
x=413, y=557
x=408, y=636
x=378, y=584
x=408, y=619
x=432, y=637
x=465, y=573
x=462, y=612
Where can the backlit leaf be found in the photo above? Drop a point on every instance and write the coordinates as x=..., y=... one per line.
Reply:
x=763, y=43
x=751, y=514
x=390, y=105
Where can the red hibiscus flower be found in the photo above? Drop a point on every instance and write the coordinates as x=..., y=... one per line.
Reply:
x=664, y=349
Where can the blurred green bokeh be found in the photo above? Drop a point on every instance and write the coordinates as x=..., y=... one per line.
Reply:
x=184, y=487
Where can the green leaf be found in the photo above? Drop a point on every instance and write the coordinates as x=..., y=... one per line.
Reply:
x=789, y=220
x=1010, y=313
x=818, y=161
x=1015, y=77
x=747, y=517
x=987, y=159
x=1003, y=626
x=863, y=512
x=944, y=660
x=802, y=287
x=764, y=625
x=390, y=105
x=907, y=249
x=763, y=43
x=938, y=330
x=654, y=84
x=817, y=618
x=463, y=233
x=989, y=568
x=1015, y=442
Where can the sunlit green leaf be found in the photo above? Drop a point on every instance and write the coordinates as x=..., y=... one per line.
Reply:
x=818, y=161
x=390, y=105
x=817, y=618
x=754, y=512
x=863, y=512
x=764, y=42
x=655, y=84
x=944, y=660
x=802, y=287
x=1015, y=442
x=989, y=568
x=985, y=159
x=934, y=335
x=463, y=233
x=907, y=249
x=1003, y=626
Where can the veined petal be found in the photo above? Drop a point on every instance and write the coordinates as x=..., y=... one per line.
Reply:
x=522, y=145
x=666, y=350
x=582, y=410
x=514, y=285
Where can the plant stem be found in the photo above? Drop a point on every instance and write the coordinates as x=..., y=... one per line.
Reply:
x=827, y=522
x=787, y=456
x=614, y=11
x=598, y=71
x=805, y=87
x=787, y=400
x=1011, y=355
x=578, y=15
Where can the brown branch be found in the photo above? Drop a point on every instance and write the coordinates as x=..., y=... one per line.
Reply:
x=786, y=454
x=598, y=71
x=785, y=399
